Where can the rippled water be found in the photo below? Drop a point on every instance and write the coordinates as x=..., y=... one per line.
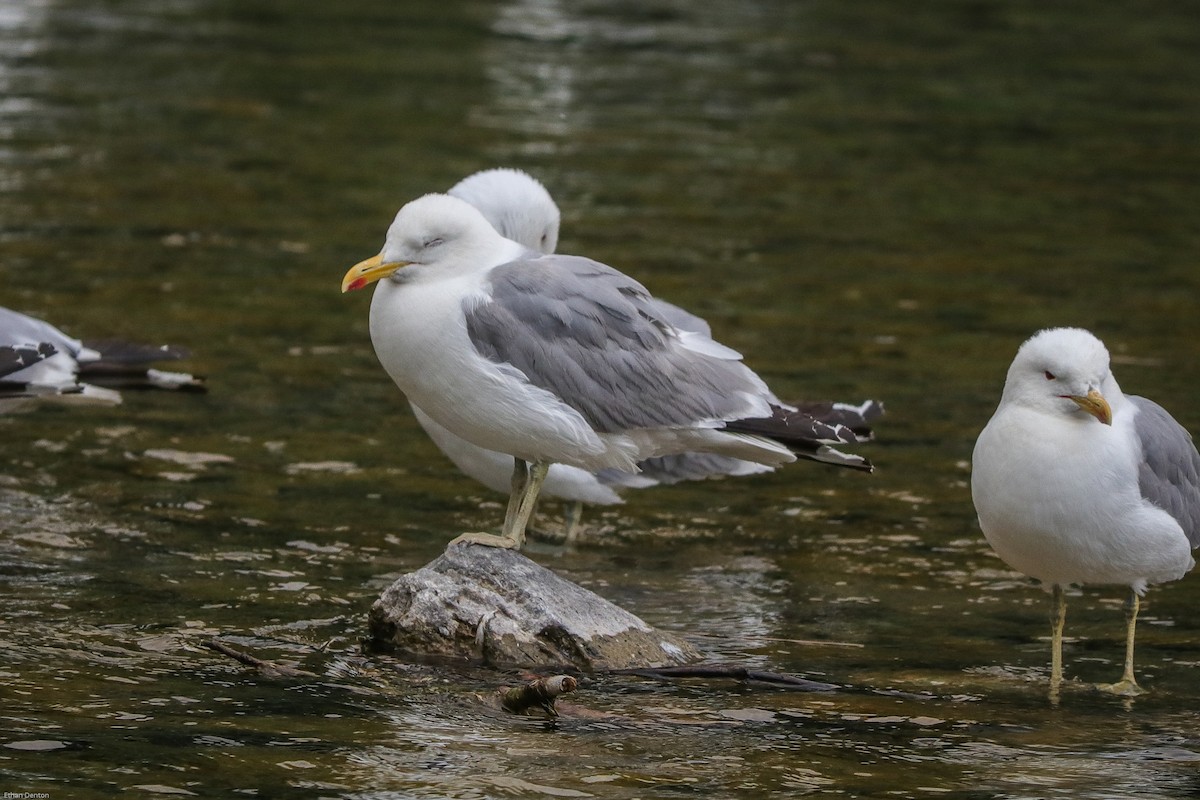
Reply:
x=867, y=201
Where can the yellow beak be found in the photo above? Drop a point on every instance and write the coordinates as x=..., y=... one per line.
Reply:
x=1094, y=404
x=367, y=272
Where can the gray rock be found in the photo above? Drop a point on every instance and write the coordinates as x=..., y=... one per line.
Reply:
x=496, y=606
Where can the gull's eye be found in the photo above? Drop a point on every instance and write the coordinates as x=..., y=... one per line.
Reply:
x=434, y=242
x=1049, y=375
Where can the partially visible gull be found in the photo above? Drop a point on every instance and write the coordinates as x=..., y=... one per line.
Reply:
x=561, y=359
x=516, y=204
x=1075, y=482
x=73, y=371
x=520, y=208
x=16, y=357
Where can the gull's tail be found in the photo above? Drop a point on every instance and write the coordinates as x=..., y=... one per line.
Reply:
x=812, y=434
x=123, y=365
x=857, y=418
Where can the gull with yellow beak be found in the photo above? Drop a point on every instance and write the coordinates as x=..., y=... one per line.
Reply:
x=1075, y=482
x=520, y=208
x=557, y=359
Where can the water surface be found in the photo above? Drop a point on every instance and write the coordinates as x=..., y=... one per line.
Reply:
x=866, y=201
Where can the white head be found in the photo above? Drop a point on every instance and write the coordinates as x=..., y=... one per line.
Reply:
x=515, y=204
x=434, y=234
x=1063, y=371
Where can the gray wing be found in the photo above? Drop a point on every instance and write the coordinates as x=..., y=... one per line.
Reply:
x=18, y=328
x=598, y=340
x=1169, y=475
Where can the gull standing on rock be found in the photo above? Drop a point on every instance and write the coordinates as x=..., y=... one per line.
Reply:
x=1075, y=482
x=561, y=359
x=520, y=208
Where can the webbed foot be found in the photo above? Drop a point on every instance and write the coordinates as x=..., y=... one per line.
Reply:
x=486, y=540
x=1122, y=688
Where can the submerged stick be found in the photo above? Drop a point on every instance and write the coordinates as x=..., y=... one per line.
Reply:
x=268, y=668
x=732, y=671
x=540, y=693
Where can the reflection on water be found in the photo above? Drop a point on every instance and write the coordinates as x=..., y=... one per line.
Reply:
x=532, y=75
x=866, y=203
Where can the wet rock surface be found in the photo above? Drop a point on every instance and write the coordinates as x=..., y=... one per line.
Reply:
x=498, y=607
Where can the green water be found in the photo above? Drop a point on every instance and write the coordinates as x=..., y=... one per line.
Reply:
x=866, y=199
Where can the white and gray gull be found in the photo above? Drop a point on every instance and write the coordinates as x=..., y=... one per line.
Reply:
x=1075, y=482
x=520, y=208
x=48, y=364
x=561, y=359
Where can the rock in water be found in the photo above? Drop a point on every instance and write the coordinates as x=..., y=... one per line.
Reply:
x=494, y=605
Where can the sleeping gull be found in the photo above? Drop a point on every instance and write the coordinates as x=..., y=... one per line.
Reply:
x=75, y=371
x=515, y=203
x=520, y=208
x=1075, y=482
x=560, y=359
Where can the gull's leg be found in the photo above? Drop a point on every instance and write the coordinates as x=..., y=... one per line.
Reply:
x=514, y=529
x=1127, y=686
x=1058, y=617
x=572, y=513
x=522, y=477
x=1132, y=606
x=520, y=480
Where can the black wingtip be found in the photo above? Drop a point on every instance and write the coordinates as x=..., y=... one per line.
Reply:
x=812, y=429
x=116, y=351
x=16, y=357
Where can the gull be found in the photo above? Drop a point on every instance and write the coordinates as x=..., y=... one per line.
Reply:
x=65, y=368
x=515, y=203
x=16, y=357
x=1075, y=482
x=520, y=208
x=557, y=359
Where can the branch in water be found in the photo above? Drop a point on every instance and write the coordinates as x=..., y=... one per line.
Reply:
x=539, y=693
x=267, y=668
x=732, y=671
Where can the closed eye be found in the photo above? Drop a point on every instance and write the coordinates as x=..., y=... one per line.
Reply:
x=432, y=242
x=1050, y=376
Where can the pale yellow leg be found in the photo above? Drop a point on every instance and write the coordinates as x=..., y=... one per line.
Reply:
x=526, y=484
x=527, y=503
x=1127, y=686
x=518, y=485
x=1058, y=618
x=572, y=513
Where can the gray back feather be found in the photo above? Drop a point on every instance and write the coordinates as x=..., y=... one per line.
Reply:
x=1169, y=475
x=673, y=469
x=598, y=340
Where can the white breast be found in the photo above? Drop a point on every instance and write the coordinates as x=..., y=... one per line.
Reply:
x=1060, y=502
